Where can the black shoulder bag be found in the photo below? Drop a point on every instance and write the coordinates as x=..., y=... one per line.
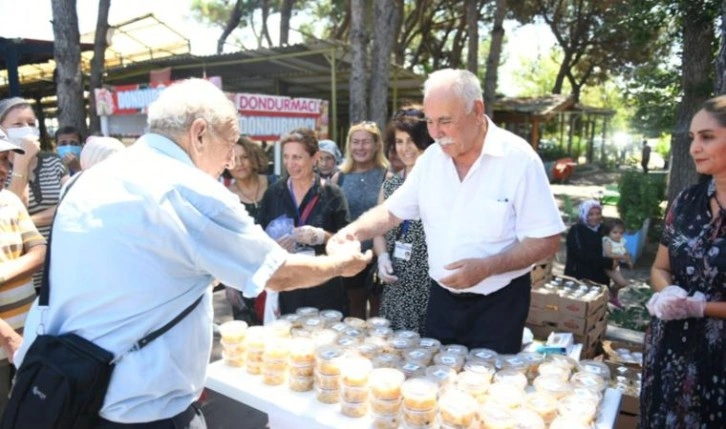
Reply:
x=63, y=379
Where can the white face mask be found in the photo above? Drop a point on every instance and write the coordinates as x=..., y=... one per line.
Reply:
x=18, y=134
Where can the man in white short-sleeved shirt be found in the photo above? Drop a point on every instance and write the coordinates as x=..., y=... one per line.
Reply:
x=141, y=237
x=488, y=214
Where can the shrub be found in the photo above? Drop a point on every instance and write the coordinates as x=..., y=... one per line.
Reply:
x=640, y=197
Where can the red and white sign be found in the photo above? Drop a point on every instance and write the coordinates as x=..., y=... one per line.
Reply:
x=268, y=117
x=133, y=99
x=262, y=117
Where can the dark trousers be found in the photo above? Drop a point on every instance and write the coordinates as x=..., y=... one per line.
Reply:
x=191, y=418
x=493, y=321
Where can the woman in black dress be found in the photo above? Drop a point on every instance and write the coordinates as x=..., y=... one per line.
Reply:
x=684, y=368
x=585, y=260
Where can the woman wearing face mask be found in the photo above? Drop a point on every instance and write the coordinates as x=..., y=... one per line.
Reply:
x=37, y=177
x=361, y=176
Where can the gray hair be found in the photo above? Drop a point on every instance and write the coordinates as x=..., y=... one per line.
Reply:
x=180, y=104
x=9, y=104
x=462, y=83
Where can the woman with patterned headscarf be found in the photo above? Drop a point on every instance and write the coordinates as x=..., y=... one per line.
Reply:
x=585, y=258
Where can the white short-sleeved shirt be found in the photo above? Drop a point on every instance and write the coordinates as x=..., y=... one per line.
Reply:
x=504, y=198
x=135, y=241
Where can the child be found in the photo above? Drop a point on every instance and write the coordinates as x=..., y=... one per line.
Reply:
x=613, y=246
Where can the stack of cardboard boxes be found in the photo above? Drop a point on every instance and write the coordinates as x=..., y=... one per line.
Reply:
x=625, y=362
x=552, y=311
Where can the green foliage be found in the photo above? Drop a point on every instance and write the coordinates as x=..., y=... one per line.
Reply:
x=663, y=145
x=652, y=92
x=549, y=151
x=535, y=77
x=640, y=197
x=634, y=316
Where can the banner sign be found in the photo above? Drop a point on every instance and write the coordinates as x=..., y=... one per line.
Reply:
x=133, y=99
x=268, y=117
x=262, y=117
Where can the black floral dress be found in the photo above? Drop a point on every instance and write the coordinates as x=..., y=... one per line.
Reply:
x=404, y=302
x=684, y=373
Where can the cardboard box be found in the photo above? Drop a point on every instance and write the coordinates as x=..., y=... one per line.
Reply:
x=541, y=270
x=627, y=421
x=630, y=402
x=591, y=342
x=578, y=325
x=542, y=316
x=580, y=308
x=544, y=299
x=542, y=332
x=611, y=349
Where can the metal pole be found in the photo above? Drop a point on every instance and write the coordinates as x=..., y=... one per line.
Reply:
x=334, y=95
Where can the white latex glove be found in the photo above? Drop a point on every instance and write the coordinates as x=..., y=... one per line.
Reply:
x=385, y=269
x=287, y=242
x=310, y=235
x=668, y=304
x=696, y=305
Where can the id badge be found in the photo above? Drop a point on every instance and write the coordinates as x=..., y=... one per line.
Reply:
x=305, y=251
x=402, y=251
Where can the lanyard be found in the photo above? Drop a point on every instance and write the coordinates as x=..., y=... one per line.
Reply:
x=302, y=218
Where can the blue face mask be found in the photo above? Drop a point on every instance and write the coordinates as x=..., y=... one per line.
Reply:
x=65, y=150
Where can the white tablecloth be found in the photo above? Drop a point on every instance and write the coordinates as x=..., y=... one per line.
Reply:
x=294, y=410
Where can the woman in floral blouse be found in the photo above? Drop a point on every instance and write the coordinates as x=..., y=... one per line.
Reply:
x=684, y=373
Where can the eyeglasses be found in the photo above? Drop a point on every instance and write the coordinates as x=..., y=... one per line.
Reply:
x=413, y=112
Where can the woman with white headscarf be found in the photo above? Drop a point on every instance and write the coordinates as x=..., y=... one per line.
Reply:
x=585, y=258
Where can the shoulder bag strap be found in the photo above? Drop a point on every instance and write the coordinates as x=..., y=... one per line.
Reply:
x=45, y=286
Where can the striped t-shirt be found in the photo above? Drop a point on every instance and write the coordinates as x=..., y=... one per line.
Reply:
x=17, y=236
x=44, y=192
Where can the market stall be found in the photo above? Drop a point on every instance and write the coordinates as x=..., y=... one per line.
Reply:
x=287, y=409
x=315, y=369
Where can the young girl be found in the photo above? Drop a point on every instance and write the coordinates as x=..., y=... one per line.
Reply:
x=613, y=247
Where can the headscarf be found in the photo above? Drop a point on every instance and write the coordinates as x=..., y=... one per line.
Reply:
x=332, y=148
x=97, y=149
x=585, y=208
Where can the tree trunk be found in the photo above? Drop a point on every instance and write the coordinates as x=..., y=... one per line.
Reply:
x=495, y=51
x=720, y=74
x=67, y=52
x=265, y=13
x=472, y=33
x=698, y=39
x=358, y=47
x=562, y=73
x=100, y=43
x=285, y=15
x=232, y=23
x=385, y=22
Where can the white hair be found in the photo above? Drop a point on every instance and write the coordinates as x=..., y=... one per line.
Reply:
x=97, y=149
x=462, y=83
x=183, y=102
